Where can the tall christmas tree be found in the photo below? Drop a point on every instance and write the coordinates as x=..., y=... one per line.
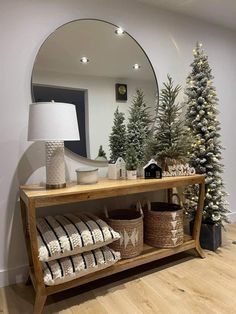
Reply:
x=205, y=154
x=170, y=139
x=138, y=128
x=117, y=137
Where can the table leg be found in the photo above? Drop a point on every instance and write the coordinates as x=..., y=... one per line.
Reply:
x=28, y=281
x=30, y=230
x=39, y=302
x=198, y=220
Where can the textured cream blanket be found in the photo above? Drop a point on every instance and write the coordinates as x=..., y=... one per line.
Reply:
x=70, y=234
x=72, y=267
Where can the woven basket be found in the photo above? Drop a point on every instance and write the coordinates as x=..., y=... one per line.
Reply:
x=129, y=224
x=163, y=224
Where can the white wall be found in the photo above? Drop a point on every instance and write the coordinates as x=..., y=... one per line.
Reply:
x=167, y=39
x=101, y=101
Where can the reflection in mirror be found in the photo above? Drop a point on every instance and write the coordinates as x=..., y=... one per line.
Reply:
x=95, y=66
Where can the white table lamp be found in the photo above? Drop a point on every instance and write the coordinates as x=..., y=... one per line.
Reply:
x=53, y=123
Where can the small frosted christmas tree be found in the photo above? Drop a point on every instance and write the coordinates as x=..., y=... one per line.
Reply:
x=131, y=159
x=101, y=152
x=138, y=128
x=205, y=154
x=117, y=137
x=170, y=139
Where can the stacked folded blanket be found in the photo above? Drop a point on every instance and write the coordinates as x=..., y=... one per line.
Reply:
x=71, y=246
x=75, y=266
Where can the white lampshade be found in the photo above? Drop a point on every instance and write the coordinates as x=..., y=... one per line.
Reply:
x=53, y=121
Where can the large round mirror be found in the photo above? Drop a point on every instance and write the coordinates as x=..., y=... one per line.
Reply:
x=96, y=66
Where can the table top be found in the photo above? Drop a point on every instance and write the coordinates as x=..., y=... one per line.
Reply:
x=102, y=189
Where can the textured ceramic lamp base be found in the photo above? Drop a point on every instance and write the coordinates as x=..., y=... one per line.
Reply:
x=55, y=165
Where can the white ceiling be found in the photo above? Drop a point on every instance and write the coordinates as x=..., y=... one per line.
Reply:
x=221, y=12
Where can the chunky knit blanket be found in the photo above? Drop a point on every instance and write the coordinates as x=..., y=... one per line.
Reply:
x=72, y=267
x=70, y=234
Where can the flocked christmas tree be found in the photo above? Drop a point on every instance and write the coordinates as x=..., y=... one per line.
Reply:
x=138, y=128
x=205, y=154
x=117, y=138
x=170, y=139
x=131, y=159
x=101, y=153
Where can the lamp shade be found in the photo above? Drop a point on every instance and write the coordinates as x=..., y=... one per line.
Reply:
x=52, y=121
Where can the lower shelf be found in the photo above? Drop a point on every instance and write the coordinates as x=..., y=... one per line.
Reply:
x=148, y=255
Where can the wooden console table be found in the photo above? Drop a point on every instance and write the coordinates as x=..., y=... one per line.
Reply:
x=33, y=197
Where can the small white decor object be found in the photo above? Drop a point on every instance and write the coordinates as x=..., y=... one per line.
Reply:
x=54, y=123
x=179, y=170
x=70, y=234
x=75, y=266
x=87, y=175
x=131, y=174
x=116, y=169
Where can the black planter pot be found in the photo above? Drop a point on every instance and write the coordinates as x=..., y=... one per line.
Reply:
x=210, y=236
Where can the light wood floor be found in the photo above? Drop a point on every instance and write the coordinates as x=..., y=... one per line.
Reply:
x=186, y=285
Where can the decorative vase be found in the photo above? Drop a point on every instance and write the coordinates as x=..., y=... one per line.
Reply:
x=131, y=174
x=210, y=236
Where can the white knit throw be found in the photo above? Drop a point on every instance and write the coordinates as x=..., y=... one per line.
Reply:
x=72, y=267
x=70, y=234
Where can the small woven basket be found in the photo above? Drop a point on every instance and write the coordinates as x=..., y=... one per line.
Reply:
x=129, y=224
x=163, y=224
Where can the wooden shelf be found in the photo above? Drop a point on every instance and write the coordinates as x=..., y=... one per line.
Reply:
x=35, y=196
x=148, y=255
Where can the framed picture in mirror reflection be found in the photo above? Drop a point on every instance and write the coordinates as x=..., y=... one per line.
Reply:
x=121, y=92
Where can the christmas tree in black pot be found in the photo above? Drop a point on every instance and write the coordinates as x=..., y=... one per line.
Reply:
x=205, y=154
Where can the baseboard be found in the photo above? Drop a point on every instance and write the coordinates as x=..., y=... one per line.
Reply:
x=232, y=217
x=13, y=275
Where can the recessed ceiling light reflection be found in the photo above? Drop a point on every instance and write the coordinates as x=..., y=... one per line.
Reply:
x=136, y=66
x=84, y=60
x=119, y=31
